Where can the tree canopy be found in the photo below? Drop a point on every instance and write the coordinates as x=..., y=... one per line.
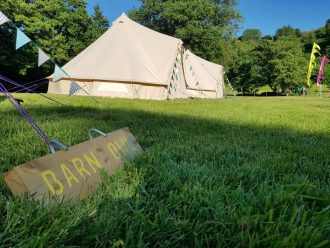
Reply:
x=280, y=64
x=62, y=28
x=280, y=61
x=287, y=31
x=251, y=34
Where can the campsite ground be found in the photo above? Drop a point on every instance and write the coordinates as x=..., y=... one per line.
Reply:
x=234, y=172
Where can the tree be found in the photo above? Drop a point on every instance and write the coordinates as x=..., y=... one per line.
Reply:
x=287, y=31
x=327, y=29
x=267, y=37
x=253, y=69
x=100, y=23
x=289, y=64
x=308, y=38
x=251, y=34
x=280, y=64
x=326, y=80
x=62, y=28
x=243, y=67
x=199, y=23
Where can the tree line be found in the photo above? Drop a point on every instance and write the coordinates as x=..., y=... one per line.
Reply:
x=63, y=28
x=279, y=61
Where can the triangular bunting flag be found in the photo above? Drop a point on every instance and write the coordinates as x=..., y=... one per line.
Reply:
x=43, y=57
x=3, y=18
x=58, y=73
x=74, y=87
x=21, y=39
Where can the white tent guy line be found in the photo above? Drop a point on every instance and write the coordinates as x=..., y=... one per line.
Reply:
x=132, y=61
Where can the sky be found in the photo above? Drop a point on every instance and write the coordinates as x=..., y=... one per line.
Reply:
x=266, y=15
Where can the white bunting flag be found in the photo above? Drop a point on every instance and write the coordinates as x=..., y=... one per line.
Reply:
x=43, y=57
x=3, y=18
x=21, y=39
x=58, y=73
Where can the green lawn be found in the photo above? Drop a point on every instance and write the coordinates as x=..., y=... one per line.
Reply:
x=314, y=90
x=237, y=172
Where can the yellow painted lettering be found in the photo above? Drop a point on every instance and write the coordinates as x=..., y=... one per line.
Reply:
x=114, y=151
x=122, y=146
x=92, y=161
x=79, y=164
x=55, y=186
x=69, y=176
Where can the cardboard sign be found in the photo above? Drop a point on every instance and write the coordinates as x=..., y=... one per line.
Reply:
x=74, y=173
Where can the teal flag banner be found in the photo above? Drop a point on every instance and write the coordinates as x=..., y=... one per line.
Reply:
x=21, y=39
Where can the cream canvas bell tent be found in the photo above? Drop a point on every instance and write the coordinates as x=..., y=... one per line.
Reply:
x=132, y=61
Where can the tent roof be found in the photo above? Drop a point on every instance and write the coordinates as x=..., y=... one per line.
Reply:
x=127, y=52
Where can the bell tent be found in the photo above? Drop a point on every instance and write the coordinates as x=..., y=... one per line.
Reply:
x=132, y=61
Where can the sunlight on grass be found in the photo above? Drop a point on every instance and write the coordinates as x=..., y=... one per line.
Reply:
x=233, y=172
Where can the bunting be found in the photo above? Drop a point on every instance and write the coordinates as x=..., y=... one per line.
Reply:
x=42, y=57
x=321, y=75
x=316, y=50
x=74, y=87
x=3, y=18
x=21, y=39
x=58, y=73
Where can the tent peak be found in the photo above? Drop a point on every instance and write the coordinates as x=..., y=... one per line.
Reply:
x=121, y=19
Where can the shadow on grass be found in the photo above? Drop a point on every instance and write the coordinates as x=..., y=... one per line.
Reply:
x=201, y=183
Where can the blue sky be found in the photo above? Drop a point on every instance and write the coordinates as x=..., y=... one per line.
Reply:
x=266, y=15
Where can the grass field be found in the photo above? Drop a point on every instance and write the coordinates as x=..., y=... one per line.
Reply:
x=238, y=172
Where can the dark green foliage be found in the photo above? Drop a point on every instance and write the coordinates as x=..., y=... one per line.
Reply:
x=287, y=31
x=288, y=63
x=267, y=37
x=251, y=34
x=327, y=75
x=308, y=39
x=99, y=22
x=245, y=67
x=62, y=28
x=280, y=64
x=321, y=36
